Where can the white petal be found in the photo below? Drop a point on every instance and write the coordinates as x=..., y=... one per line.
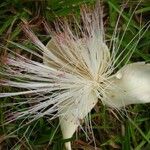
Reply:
x=131, y=85
x=72, y=119
x=81, y=103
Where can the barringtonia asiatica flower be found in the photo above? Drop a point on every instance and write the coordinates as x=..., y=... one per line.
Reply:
x=78, y=70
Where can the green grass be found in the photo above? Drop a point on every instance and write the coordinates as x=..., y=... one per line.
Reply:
x=111, y=132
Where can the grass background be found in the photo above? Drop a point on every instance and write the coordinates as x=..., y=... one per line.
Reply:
x=111, y=132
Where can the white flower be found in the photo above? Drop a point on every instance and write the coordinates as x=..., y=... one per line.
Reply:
x=78, y=70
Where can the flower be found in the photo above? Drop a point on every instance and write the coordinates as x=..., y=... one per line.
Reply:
x=78, y=70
